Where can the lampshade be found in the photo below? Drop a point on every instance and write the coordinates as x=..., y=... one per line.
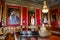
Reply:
x=45, y=8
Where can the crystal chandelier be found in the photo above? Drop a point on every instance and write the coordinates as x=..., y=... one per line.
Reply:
x=45, y=8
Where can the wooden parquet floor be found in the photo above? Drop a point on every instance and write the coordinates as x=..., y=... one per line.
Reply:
x=11, y=37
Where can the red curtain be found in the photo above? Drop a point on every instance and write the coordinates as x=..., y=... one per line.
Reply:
x=24, y=16
x=38, y=17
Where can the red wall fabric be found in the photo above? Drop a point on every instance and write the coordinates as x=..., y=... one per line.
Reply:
x=24, y=15
x=0, y=24
x=38, y=17
x=54, y=11
x=54, y=23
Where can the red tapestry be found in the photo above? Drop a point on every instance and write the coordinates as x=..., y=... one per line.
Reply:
x=38, y=17
x=24, y=16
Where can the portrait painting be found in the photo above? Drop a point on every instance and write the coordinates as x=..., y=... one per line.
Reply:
x=13, y=16
x=31, y=17
x=53, y=17
x=45, y=18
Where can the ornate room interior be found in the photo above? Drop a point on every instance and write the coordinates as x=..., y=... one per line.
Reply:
x=29, y=19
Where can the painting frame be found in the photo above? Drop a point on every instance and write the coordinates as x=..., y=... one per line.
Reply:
x=9, y=9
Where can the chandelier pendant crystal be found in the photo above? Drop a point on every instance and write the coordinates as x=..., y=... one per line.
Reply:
x=45, y=8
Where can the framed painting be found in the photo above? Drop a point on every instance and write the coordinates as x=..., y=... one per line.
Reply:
x=45, y=18
x=31, y=17
x=13, y=15
x=53, y=17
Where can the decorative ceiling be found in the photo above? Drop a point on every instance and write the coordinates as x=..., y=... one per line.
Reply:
x=49, y=2
x=34, y=2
